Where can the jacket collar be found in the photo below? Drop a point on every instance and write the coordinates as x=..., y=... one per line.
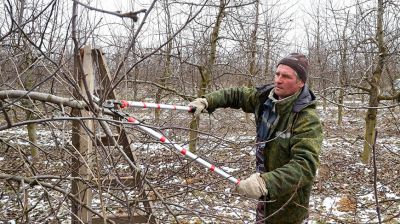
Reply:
x=306, y=97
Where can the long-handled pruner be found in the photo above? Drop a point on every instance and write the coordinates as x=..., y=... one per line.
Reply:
x=164, y=140
x=125, y=103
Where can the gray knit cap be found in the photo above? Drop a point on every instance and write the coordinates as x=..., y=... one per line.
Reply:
x=298, y=62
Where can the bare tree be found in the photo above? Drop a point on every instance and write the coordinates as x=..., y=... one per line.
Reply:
x=205, y=70
x=170, y=51
x=319, y=51
x=342, y=48
x=168, y=56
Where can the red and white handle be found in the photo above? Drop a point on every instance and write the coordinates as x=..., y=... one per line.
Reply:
x=124, y=103
x=183, y=151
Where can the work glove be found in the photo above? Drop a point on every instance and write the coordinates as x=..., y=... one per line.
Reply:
x=252, y=187
x=200, y=104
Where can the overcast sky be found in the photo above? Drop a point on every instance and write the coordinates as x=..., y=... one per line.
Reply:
x=297, y=8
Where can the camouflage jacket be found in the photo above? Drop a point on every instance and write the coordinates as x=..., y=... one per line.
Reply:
x=291, y=153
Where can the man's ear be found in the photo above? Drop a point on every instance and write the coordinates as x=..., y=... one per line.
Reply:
x=300, y=83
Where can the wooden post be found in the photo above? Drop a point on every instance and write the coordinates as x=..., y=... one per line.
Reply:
x=83, y=149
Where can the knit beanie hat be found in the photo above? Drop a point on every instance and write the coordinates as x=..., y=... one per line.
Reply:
x=298, y=62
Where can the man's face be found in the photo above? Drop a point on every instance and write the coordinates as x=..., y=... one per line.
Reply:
x=286, y=81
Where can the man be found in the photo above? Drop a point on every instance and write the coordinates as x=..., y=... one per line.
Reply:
x=289, y=138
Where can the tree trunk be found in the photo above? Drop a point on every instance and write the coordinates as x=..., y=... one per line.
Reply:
x=253, y=53
x=28, y=82
x=205, y=73
x=167, y=65
x=372, y=112
x=253, y=47
x=370, y=124
x=29, y=115
x=194, y=123
x=340, y=107
x=342, y=45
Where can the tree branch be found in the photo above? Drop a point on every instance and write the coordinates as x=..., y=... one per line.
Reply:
x=389, y=97
x=131, y=15
x=186, y=97
x=21, y=94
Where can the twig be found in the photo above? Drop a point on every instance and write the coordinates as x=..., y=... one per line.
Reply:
x=33, y=182
x=358, y=107
x=378, y=211
x=6, y=117
x=391, y=151
x=186, y=97
x=151, y=53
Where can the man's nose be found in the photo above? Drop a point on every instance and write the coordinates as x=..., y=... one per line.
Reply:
x=278, y=79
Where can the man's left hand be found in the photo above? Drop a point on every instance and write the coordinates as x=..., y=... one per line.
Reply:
x=253, y=187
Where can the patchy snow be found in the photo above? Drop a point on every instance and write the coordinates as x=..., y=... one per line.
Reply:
x=191, y=190
x=229, y=170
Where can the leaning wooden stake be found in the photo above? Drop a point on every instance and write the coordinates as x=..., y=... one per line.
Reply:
x=124, y=140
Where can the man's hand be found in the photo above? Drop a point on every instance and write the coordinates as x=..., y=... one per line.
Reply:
x=200, y=104
x=253, y=187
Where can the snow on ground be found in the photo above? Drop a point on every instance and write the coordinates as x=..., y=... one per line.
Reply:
x=343, y=192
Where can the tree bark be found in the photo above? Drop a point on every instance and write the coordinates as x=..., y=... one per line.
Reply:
x=205, y=73
x=370, y=118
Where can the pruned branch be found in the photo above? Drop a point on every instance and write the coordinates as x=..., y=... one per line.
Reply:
x=21, y=94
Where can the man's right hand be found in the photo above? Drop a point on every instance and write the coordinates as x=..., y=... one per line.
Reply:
x=200, y=104
x=253, y=187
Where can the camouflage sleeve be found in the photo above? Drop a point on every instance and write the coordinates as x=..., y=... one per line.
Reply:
x=305, y=146
x=240, y=97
